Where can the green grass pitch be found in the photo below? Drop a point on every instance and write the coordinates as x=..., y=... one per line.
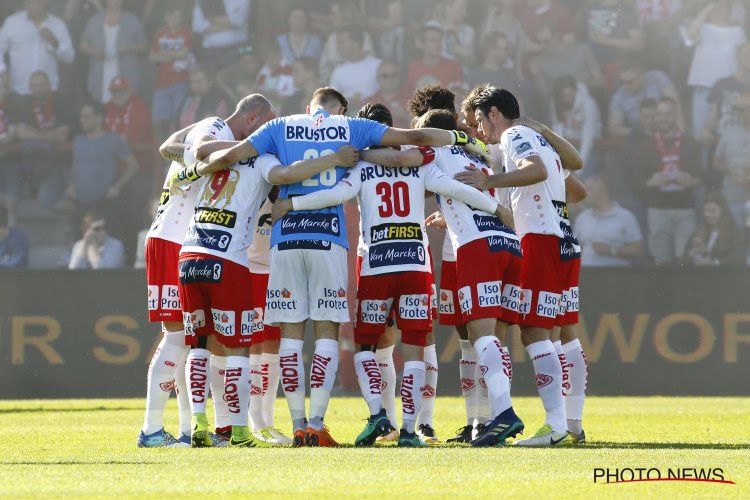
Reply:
x=86, y=448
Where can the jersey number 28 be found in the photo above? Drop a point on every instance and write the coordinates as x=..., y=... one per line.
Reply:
x=326, y=177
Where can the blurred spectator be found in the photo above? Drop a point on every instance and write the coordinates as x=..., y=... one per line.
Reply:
x=560, y=57
x=576, y=117
x=670, y=173
x=501, y=18
x=98, y=156
x=239, y=78
x=716, y=242
x=609, y=234
x=42, y=127
x=716, y=34
x=115, y=43
x=35, y=41
x=223, y=25
x=459, y=38
x=275, y=79
x=344, y=14
x=205, y=98
x=723, y=114
x=170, y=50
x=97, y=249
x=14, y=245
x=533, y=16
x=10, y=173
x=140, y=248
x=497, y=64
x=305, y=76
x=614, y=35
x=636, y=85
x=356, y=77
x=733, y=160
x=390, y=93
x=431, y=68
x=389, y=30
x=299, y=42
x=128, y=115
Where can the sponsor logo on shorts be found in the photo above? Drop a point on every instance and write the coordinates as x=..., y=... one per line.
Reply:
x=252, y=321
x=333, y=299
x=200, y=271
x=374, y=311
x=213, y=239
x=498, y=243
x=547, y=304
x=511, y=298
x=542, y=380
x=464, y=299
x=446, y=305
x=396, y=254
x=217, y=216
x=153, y=297
x=170, y=298
x=489, y=293
x=280, y=300
x=304, y=245
x=433, y=297
x=414, y=306
x=403, y=231
x=306, y=223
x=572, y=302
x=223, y=322
x=193, y=320
x=524, y=301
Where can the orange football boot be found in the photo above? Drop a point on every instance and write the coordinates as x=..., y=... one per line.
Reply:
x=299, y=438
x=319, y=438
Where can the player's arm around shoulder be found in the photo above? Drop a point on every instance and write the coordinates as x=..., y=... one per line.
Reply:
x=346, y=156
x=412, y=157
x=569, y=155
x=173, y=148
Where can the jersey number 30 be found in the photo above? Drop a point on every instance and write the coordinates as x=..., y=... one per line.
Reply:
x=394, y=199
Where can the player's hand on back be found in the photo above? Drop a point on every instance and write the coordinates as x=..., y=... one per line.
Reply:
x=437, y=220
x=474, y=177
x=505, y=216
x=529, y=122
x=280, y=208
x=347, y=156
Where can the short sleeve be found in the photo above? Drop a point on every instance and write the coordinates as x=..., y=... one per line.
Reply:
x=365, y=133
x=265, y=164
x=518, y=143
x=264, y=139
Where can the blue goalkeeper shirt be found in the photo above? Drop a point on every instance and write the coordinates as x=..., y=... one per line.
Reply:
x=303, y=137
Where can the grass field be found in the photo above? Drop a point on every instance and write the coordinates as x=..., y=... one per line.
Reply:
x=87, y=448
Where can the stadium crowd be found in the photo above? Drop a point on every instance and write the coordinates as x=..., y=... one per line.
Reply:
x=654, y=93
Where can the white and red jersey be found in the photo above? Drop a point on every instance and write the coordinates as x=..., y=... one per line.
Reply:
x=174, y=212
x=539, y=208
x=226, y=214
x=259, y=251
x=467, y=221
x=391, y=205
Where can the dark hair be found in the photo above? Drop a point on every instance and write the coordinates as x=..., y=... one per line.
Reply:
x=89, y=217
x=438, y=118
x=357, y=35
x=377, y=112
x=96, y=107
x=468, y=105
x=431, y=97
x=327, y=95
x=502, y=99
x=3, y=215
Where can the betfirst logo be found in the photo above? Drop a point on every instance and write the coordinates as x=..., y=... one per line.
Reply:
x=642, y=474
x=414, y=306
x=405, y=231
x=333, y=299
x=223, y=322
x=488, y=293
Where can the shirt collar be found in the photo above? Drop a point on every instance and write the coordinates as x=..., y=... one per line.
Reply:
x=320, y=111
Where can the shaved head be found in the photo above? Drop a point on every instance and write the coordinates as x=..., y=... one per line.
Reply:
x=254, y=103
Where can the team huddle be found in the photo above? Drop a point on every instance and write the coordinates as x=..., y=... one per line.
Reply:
x=249, y=243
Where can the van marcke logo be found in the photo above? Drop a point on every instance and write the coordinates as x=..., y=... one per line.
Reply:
x=606, y=475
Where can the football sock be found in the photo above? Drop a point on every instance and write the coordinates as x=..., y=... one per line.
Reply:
x=237, y=389
x=467, y=370
x=161, y=379
x=549, y=382
x=370, y=380
x=578, y=380
x=256, y=393
x=490, y=356
x=183, y=397
x=270, y=369
x=293, y=380
x=411, y=395
x=197, y=373
x=221, y=408
x=325, y=363
x=430, y=385
x=388, y=390
x=483, y=402
x=508, y=365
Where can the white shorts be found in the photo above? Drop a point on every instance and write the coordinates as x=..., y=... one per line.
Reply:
x=307, y=283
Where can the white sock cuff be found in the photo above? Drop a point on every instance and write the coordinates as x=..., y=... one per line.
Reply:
x=200, y=352
x=414, y=365
x=385, y=353
x=219, y=362
x=327, y=345
x=291, y=344
x=558, y=347
x=572, y=345
x=255, y=359
x=237, y=362
x=430, y=351
x=363, y=355
x=537, y=348
x=482, y=343
x=175, y=338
